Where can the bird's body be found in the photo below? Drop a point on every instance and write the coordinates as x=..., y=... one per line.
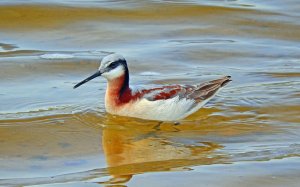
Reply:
x=165, y=103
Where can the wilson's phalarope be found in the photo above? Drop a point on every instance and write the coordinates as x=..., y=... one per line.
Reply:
x=165, y=103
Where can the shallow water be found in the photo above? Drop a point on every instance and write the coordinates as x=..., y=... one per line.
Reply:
x=52, y=135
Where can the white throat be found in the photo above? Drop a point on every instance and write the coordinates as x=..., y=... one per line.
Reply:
x=114, y=73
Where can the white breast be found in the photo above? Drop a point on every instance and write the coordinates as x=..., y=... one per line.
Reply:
x=164, y=110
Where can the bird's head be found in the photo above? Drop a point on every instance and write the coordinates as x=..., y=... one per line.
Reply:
x=111, y=67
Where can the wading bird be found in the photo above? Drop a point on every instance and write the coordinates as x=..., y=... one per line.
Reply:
x=165, y=103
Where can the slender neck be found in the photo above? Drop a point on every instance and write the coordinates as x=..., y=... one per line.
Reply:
x=119, y=86
x=125, y=85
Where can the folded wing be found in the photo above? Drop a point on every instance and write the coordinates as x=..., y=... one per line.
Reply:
x=198, y=93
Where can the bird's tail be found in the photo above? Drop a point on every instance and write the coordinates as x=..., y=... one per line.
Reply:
x=209, y=89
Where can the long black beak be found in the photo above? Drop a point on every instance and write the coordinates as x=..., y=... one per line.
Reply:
x=97, y=74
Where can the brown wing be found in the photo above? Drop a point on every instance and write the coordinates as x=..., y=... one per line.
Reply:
x=198, y=92
x=161, y=93
x=208, y=89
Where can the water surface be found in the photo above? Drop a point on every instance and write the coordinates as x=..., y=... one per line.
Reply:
x=52, y=135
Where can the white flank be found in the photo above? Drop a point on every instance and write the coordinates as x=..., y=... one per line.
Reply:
x=165, y=110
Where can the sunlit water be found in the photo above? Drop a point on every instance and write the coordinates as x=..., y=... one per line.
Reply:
x=52, y=135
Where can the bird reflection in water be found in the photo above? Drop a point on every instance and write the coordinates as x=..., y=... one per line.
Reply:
x=133, y=149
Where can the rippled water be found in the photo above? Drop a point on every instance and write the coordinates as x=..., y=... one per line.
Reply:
x=52, y=135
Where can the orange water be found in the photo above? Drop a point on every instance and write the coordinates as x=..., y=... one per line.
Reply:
x=52, y=135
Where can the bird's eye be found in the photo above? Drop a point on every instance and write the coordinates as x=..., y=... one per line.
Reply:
x=113, y=65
